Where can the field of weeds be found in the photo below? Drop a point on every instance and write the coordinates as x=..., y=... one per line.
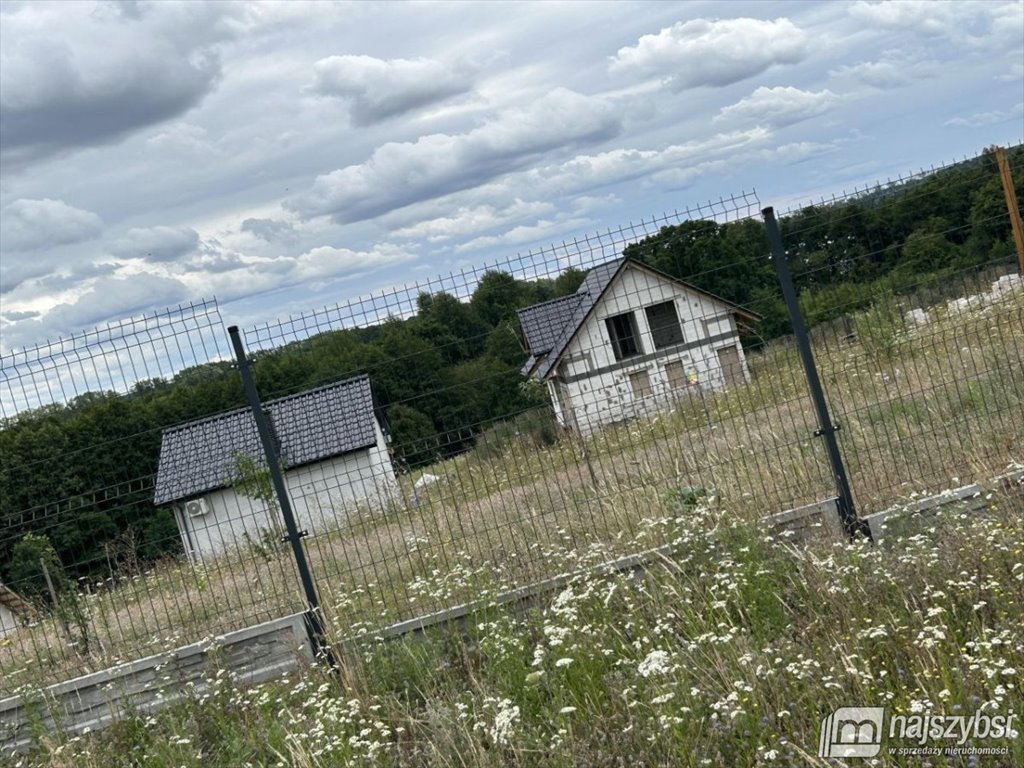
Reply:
x=922, y=407
x=728, y=654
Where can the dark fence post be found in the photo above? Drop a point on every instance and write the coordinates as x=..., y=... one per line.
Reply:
x=314, y=620
x=847, y=512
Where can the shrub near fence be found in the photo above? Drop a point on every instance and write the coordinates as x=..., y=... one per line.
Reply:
x=718, y=406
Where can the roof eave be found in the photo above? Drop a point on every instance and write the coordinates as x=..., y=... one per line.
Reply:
x=733, y=307
x=14, y=602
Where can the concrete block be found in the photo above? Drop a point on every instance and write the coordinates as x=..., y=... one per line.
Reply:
x=254, y=654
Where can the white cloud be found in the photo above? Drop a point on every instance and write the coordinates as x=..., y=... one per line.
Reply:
x=72, y=77
x=156, y=244
x=329, y=262
x=797, y=151
x=377, y=89
x=590, y=172
x=398, y=174
x=782, y=105
x=469, y=220
x=231, y=275
x=980, y=24
x=991, y=117
x=269, y=230
x=713, y=53
x=524, y=197
x=105, y=298
x=891, y=70
x=527, y=233
x=921, y=16
x=182, y=138
x=1014, y=74
x=29, y=225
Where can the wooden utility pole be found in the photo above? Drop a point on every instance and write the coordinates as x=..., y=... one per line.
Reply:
x=56, y=604
x=1011, y=205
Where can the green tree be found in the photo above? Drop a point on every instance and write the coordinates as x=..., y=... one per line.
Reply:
x=413, y=435
x=37, y=573
x=497, y=297
x=503, y=345
x=252, y=479
x=450, y=325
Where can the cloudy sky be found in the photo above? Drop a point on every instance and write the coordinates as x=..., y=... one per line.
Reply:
x=282, y=156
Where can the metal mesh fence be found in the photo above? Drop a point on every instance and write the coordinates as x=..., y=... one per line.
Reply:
x=918, y=329
x=476, y=428
x=91, y=570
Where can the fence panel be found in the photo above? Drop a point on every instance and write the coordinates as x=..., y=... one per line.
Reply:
x=920, y=329
x=87, y=560
x=639, y=392
x=471, y=432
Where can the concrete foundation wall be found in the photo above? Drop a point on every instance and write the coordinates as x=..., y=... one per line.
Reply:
x=821, y=519
x=94, y=701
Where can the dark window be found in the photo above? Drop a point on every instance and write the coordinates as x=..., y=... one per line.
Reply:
x=664, y=324
x=623, y=334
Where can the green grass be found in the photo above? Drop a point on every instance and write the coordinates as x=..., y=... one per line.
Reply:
x=728, y=654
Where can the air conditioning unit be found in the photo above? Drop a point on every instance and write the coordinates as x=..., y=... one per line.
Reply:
x=197, y=507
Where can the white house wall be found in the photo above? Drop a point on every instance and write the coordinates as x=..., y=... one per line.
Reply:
x=598, y=385
x=8, y=622
x=324, y=496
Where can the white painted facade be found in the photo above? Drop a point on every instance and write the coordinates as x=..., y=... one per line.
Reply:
x=590, y=388
x=8, y=621
x=324, y=496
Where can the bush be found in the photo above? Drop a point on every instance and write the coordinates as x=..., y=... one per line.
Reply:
x=527, y=431
x=878, y=329
x=413, y=435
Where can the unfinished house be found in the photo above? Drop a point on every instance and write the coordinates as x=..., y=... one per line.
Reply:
x=632, y=340
x=336, y=463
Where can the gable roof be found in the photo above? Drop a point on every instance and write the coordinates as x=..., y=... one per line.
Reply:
x=587, y=295
x=14, y=602
x=541, y=317
x=197, y=457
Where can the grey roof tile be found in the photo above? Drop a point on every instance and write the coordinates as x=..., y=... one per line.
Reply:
x=590, y=291
x=197, y=457
x=543, y=323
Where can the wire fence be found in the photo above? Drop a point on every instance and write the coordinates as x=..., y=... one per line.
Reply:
x=477, y=428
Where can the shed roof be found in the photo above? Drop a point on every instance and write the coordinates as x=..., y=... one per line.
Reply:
x=540, y=322
x=197, y=457
x=14, y=602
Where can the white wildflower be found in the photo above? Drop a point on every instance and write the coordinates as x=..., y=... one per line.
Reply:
x=505, y=720
x=656, y=663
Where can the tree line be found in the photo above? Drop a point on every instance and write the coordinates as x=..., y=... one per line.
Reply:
x=447, y=378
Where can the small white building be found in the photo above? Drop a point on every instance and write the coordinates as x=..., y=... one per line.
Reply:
x=12, y=606
x=632, y=340
x=336, y=465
